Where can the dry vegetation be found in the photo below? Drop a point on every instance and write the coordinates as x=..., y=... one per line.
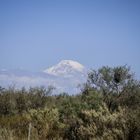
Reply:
x=108, y=108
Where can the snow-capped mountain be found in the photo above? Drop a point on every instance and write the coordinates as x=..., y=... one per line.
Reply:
x=64, y=76
x=66, y=68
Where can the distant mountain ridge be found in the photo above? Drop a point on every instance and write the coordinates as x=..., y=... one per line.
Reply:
x=64, y=76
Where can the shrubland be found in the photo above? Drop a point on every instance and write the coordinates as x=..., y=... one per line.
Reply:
x=107, y=108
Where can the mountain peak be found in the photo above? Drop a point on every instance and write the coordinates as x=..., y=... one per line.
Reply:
x=65, y=67
x=76, y=65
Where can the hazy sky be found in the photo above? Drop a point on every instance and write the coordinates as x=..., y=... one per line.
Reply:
x=35, y=34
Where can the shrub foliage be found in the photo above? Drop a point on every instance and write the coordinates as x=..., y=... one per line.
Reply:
x=108, y=108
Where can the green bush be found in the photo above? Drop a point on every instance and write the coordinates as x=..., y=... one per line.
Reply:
x=108, y=108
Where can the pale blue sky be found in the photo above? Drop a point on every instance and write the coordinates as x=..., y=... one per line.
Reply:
x=35, y=34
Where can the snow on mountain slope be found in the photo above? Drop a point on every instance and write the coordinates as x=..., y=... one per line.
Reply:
x=64, y=76
x=66, y=68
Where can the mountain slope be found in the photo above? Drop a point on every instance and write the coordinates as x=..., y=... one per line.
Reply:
x=65, y=68
x=64, y=76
